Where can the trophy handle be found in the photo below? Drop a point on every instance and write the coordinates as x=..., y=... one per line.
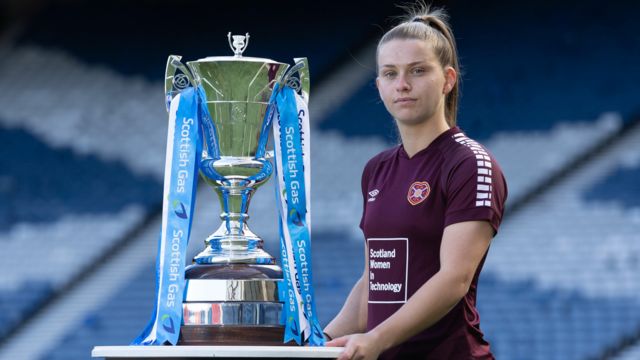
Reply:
x=175, y=83
x=305, y=82
x=299, y=83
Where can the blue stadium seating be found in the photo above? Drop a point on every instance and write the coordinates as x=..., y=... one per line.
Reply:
x=622, y=185
x=522, y=321
x=44, y=185
x=363, y=114
x=118, y=322
x=16, y=304
x=544, y=71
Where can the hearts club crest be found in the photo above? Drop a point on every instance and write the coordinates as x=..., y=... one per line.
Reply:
x=418, y=192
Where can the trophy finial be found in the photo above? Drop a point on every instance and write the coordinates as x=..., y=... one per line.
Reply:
x=239, y=44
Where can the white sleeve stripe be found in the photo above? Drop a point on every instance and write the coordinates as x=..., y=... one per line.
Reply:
x=484, y=187
x=482, y=195
x=484, y=165
x=483, y=203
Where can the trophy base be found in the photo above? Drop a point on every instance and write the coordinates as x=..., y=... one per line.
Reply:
x=204, y=335
x=232, y=304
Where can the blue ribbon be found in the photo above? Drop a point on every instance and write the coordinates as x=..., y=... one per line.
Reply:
x=179, y=202
x=290, y=314
x=296, y=207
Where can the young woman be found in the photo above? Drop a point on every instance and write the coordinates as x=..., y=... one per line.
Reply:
x=431, y=207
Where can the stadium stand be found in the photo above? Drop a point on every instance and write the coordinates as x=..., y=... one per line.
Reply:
x=630, y=354
x=620, y=186
x=573, y=265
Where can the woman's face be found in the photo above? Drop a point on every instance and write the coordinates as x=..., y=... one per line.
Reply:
x=411, y=81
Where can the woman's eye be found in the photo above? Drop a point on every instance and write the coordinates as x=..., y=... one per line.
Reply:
x=418, y=71
x=389, y=74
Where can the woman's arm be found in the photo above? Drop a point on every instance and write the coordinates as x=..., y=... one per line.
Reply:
x=463, y=247
x=352, y=318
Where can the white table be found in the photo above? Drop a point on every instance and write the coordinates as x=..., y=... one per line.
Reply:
x=207, y=352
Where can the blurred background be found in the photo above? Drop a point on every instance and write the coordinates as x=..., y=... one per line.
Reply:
x=549, y=87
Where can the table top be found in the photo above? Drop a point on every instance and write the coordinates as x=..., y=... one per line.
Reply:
x=114, y=352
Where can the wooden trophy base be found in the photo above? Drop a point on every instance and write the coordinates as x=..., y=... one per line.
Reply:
x=233, y=335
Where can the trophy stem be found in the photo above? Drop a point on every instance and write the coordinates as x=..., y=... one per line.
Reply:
x=234, y=242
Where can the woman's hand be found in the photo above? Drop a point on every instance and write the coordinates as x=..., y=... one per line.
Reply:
x=358, y=346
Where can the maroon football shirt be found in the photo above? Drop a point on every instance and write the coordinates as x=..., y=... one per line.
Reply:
x=407, y=204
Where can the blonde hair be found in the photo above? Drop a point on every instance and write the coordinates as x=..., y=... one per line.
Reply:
x=430, y=25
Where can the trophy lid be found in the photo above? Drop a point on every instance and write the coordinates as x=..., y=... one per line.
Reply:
x=240, y=58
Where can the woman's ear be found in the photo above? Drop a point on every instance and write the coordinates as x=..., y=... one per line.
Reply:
x=450, y=78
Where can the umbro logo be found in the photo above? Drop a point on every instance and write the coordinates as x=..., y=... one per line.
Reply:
x=373, y=194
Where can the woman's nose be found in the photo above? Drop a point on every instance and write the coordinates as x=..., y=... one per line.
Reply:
x=402, y=84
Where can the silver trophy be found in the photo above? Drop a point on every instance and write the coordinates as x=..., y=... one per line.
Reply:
x=231, y=292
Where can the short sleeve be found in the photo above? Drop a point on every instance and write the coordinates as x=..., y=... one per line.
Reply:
x=364, y=183
x=476, y=191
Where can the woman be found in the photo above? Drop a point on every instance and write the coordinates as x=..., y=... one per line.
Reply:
x=431, y=207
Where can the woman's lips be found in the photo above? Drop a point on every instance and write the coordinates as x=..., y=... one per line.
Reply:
x=404, y=100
